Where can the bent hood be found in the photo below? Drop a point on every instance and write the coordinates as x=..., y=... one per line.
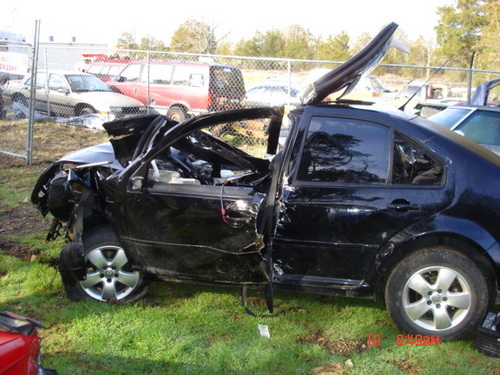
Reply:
x=348, y=74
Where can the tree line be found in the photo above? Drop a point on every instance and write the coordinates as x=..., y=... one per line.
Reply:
x=467, y=34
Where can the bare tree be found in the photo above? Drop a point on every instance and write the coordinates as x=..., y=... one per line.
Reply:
x=195, y=37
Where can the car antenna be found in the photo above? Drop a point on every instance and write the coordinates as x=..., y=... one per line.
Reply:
x=402, y=108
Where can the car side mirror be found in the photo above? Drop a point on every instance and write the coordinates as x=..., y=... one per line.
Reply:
x=120, y=78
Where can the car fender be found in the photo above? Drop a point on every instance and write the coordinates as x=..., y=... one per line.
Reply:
x=463, y=233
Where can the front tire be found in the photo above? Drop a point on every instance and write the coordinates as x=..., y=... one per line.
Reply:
x=108, y=272
x=437, y=292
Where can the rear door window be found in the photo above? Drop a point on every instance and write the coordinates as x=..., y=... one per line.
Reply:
x=187, y=75
x=339, y=150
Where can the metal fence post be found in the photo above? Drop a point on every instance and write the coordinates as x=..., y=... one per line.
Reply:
x=29, y=141
x=148, y=63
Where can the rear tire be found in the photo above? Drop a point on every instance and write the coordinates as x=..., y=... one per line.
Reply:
x=85, y=111
x=437, y=292
x=108, y=272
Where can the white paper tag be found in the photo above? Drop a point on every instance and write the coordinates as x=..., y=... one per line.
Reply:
x=264, y=331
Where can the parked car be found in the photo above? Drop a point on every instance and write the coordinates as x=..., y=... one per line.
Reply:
x=64, y=93
x=479, y=123
x=424, y=98
x=360, y=201
x=180, y=89
x=105, y=70
x=369, y=88
x=20, y=346
x=270, y=95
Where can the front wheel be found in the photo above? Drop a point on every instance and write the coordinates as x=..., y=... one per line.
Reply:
x=108, y=273
x=437, y=292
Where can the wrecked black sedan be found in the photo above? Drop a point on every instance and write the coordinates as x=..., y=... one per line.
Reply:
x=358, y=201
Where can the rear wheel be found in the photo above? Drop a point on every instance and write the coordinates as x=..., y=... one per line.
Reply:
x=437, y=292
x=85, y=111
x=109, y=276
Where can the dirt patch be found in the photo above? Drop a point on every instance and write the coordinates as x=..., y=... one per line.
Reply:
x=342, y=347
x=51, y=141
x=407, y=367
x=17, y=222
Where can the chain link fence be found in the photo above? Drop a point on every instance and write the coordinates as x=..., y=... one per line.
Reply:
x=182, y=85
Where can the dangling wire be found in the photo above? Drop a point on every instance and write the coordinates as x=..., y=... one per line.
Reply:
x=222, y=209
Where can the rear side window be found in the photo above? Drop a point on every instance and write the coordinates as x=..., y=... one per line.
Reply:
x=160, y=73
x=188, y=75
x=413, y=165
x=345, y=151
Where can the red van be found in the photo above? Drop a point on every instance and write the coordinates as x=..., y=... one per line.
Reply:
x=180, y=89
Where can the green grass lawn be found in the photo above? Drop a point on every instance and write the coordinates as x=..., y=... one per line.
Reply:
x=188, y=329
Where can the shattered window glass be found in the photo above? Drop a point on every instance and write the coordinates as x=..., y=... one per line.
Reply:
x=343, y=150
x=414, y=166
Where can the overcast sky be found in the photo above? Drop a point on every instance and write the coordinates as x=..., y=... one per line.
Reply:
x=103, y=21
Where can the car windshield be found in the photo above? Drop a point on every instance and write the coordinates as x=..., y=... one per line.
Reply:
x=86, y=83
x=450, y=117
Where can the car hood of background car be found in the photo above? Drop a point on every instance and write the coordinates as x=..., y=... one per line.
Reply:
x=347, y=75
x=101, y=99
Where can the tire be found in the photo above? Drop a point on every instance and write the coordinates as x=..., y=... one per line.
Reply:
x=437, y=292
x=108, y=274
x=176, y=114
x=85, y=111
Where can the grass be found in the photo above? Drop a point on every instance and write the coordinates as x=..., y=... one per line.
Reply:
x=188, y=329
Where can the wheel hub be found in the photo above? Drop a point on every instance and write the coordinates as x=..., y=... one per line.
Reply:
x=109, y=273
x=436, y=298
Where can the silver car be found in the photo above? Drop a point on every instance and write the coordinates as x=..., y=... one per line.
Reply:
x=64, y=93
x=479, y=123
